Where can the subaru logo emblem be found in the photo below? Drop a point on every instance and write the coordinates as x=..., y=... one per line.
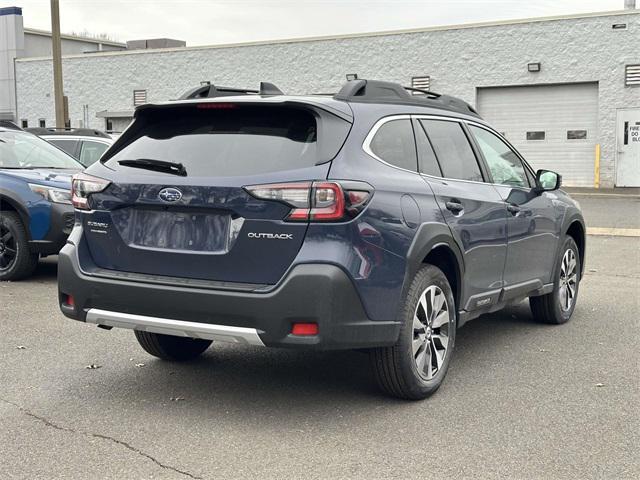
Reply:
x=170, y=194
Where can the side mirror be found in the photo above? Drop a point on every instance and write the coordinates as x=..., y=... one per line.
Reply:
x=546, y=180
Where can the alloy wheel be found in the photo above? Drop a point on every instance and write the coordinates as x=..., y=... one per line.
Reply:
x=568, y=280
x=8, y=248
x=430, y=332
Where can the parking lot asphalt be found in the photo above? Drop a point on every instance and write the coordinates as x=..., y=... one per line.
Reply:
x=521, y=400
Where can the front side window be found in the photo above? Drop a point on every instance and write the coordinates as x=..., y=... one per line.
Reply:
x=394, y=143
x=505, y=166
x=453, y=150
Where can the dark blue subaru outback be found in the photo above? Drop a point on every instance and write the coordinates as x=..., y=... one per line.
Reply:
x=375, y=218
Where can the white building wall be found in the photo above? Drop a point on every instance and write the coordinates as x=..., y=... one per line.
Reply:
x=11, y=46
x=459, y=60
x=37, y=45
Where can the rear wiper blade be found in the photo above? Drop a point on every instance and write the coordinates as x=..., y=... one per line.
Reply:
x=156, y=165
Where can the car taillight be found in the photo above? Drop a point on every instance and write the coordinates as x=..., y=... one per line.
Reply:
x=318, y=201
x=84, y=185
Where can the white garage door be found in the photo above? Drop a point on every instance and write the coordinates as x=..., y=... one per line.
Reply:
x=553, y=126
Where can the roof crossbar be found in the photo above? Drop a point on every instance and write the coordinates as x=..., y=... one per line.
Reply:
x=387, y=92
x=85, y=132
x=213, y=91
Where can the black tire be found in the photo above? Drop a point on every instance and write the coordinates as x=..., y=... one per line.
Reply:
x=16, y=260
x=168, y=347
x=551, y=308
x=396, y=368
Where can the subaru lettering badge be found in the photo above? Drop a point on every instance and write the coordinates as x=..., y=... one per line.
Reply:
x=170, y=194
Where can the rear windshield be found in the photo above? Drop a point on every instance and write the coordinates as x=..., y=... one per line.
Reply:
x=234, y=141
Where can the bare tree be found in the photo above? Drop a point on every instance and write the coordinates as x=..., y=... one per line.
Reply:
x=96, y=36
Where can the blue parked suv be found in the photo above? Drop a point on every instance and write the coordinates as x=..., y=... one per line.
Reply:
x=375, y=218
x=36, y=214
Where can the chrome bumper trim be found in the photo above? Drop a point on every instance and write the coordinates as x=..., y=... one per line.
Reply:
x=178, y=328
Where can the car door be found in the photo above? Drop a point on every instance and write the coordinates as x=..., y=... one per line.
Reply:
x=533, y=222
x=473, y=209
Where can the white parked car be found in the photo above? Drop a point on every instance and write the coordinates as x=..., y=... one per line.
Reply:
x=84, y=144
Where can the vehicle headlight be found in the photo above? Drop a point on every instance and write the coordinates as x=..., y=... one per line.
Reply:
x=55, y=195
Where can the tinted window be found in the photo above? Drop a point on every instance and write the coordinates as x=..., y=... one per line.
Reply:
x=23, y=150
x=91, y=152
x=239, y=140
x=505, y=166
x=67, y=145
x=394, y=143
x=453, y=150
x=427, y=161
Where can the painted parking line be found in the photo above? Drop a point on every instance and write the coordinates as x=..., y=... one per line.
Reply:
x=615, y=232
x=606, y=195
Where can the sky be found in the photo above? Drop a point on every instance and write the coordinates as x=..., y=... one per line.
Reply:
x=208, y=22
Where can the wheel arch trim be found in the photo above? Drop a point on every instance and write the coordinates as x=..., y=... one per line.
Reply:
x=576, y=219
x=428, y=237
x=12, y=199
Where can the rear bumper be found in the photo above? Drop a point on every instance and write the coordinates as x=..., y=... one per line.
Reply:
x=319, y=293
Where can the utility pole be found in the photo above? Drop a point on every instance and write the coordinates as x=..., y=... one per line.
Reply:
x=57, y=63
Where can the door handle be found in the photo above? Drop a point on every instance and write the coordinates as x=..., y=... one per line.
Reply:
x=454, y=206
x=514, y=209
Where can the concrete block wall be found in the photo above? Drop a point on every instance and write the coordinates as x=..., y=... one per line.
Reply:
x=459, y=61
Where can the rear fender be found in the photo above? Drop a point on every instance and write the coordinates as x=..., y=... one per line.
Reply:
x=428, y=237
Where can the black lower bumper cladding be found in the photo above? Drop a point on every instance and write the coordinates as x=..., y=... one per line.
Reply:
x=309, y=293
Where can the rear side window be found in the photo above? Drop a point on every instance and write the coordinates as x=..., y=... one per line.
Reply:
x=91, y=152
x=234, y=141
x=394, y=143
x=453, y=150
x=68, y=145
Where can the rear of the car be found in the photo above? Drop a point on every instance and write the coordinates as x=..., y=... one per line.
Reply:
x=194, y=224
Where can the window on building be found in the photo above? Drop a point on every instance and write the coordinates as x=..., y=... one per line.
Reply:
x=537, y=135
x=505, y=166
x=453, y=150
x=394, y=143
x=42, y=123
x=576, y=134
x=109, y=125
x=24, y=123
x=139, y=97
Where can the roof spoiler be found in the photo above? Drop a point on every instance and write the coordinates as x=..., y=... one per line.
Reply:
x=377, y=91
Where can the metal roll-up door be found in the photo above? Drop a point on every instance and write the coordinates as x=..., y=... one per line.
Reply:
x=553, y=126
